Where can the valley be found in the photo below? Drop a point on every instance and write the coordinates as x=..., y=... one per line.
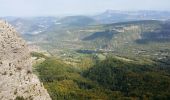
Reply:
x=92, y=58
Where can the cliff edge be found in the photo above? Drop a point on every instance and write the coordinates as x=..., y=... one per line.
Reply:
x=16, y=77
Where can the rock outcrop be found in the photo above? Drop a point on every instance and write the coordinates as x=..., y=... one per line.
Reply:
x=16, y=77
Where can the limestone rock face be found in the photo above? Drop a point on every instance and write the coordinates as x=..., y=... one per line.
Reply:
x=16, y=77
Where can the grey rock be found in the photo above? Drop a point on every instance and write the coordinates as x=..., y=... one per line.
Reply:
x=16, y=77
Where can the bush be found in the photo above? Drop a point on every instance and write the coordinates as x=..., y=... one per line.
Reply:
x=19, y=98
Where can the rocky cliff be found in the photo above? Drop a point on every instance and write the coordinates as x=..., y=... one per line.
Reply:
x=16, y=78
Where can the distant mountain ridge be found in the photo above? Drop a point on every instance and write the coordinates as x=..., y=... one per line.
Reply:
x=112, y=16
x=38, y=25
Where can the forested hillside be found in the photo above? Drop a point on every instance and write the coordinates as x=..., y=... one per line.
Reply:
x=144, y=81
x=108, y=79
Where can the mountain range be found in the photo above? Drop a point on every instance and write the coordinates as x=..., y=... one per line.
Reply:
x=109, y=31
x=36, y=25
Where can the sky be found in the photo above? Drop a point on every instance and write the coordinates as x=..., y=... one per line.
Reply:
x=74, y=7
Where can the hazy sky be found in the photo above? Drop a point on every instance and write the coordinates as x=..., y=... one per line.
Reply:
x=62, y=7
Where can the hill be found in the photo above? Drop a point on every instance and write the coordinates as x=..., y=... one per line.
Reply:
x=77, y=21
x=32, y=25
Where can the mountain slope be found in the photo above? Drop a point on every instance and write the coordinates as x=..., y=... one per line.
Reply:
x=133, y=32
